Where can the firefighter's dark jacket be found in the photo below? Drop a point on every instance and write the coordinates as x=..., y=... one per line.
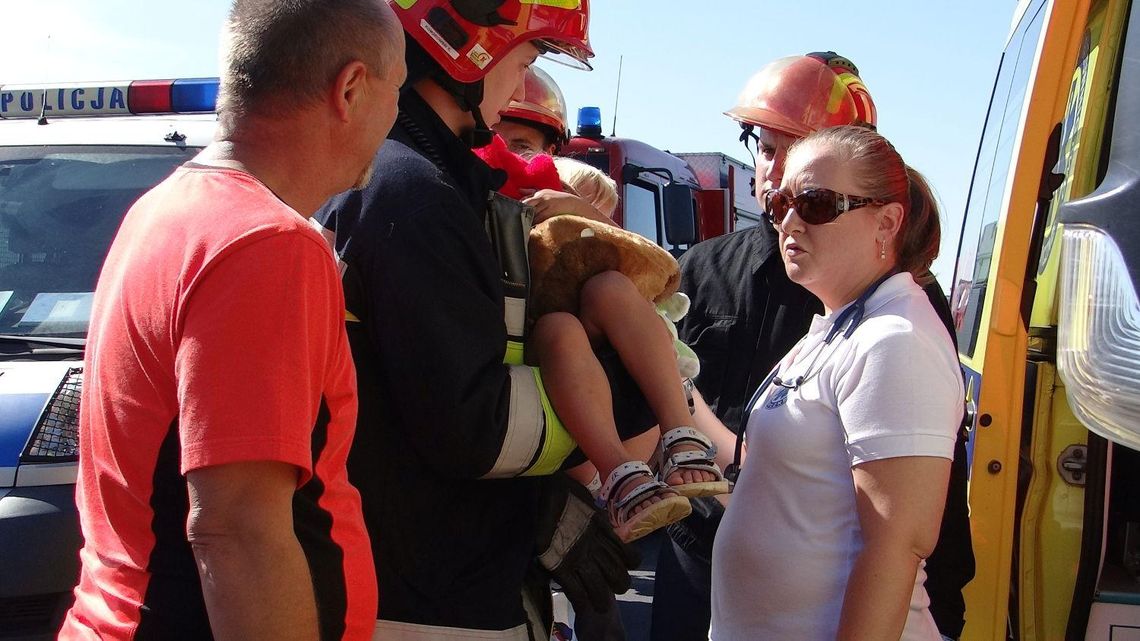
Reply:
x=745, y=315
x=437, y=405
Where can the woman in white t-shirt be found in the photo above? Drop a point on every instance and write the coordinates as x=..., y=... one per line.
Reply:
x=849, y=447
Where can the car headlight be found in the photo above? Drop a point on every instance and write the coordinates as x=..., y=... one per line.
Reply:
x=56, y=437
x=1098, y=347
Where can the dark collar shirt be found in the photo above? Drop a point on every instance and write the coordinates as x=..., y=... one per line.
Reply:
x=745, y=315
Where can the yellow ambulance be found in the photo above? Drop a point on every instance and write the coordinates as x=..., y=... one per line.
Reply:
x=1048, y=322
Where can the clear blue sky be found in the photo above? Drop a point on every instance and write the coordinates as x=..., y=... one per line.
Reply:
x=929, y=64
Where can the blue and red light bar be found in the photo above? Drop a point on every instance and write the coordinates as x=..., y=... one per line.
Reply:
x=183, y=96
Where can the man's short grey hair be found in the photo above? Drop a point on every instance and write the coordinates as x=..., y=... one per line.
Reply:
x=281, y=54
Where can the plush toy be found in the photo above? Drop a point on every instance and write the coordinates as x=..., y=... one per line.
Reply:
x=566, y=251
x=524, y=177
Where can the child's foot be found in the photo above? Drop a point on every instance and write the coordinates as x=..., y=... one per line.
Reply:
x=638, y=503
x=687, y=464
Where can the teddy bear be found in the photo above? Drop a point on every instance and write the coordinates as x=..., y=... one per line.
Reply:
x=565, y=251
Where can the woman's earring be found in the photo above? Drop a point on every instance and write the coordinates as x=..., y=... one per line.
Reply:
x=882, y=250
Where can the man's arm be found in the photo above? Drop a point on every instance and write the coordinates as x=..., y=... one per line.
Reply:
x=255, y=578
x=708, y=424
x=261, y=327
x=428, y=290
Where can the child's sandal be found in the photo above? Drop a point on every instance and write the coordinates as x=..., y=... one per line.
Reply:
x=700, y=460
x=631, y=525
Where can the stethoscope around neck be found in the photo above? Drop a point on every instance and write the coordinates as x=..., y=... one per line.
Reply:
x=844, y=325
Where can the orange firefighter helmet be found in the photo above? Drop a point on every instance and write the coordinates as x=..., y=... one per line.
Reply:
x=542, y=104
x=797, y=95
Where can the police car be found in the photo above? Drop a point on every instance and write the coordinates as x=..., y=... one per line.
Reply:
x=73, y=159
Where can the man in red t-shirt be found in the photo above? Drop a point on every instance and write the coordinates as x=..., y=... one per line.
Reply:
x=219, y=399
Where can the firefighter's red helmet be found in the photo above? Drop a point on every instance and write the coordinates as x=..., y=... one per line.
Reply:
x=542, y=103
x=467, y=38
x=801, y=94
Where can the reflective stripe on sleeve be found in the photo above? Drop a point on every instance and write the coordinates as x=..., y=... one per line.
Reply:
x=536, y=442
x=400, y=631
x=557, y=442
x=525, y=426
x=514, y=315
x=514, y=354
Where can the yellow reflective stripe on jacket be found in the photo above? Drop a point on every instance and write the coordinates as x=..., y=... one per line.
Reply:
x=514, y=355
x=536, y=443
x=557, y=444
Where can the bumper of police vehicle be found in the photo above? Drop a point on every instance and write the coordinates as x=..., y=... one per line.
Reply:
x=39, y=562
x=39, y=524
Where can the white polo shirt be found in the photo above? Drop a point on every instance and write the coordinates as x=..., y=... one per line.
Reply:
x=790, y=537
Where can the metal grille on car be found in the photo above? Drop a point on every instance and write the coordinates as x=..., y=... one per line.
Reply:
x=57, y=434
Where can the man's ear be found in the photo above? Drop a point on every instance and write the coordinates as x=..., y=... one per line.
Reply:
x=349, y=88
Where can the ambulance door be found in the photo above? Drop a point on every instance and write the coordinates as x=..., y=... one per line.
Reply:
x=1098, y=344
x=994, y=289
x=1057, y=457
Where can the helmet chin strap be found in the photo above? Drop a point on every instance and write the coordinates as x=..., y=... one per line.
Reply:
x=480, y=135
x=469, y=96
x=748, y=134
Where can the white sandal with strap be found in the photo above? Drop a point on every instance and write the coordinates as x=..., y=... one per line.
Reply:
x=630, y=525
x=700, y=460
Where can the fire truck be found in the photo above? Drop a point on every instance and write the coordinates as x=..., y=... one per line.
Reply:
x=674, y=200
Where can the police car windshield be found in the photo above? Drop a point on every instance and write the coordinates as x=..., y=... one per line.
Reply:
x=59, y=210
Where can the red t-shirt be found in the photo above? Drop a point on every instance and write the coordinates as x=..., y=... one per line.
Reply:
x=217, y=336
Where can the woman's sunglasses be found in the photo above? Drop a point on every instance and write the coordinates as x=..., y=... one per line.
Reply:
x=813, y=206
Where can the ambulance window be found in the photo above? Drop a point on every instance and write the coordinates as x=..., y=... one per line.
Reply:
x=987, y=187
x=640, y=209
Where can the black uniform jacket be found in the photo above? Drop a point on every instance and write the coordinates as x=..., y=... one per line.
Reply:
x=421, y=276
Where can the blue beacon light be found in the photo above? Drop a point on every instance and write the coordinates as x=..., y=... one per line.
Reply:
x=194, y=95
x=590, y=122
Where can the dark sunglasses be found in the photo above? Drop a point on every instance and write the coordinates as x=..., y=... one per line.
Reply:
x=813, y=206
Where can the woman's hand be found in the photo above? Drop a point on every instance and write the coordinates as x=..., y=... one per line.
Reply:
x=549, y=203
x=899, y=503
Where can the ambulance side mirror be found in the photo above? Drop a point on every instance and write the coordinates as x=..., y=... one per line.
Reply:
x=680, y=216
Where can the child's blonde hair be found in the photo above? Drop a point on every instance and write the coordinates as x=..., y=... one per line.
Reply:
x=589, y=182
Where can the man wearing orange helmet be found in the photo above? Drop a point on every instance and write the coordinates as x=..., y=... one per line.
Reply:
x=746, y=314
x=536, y=123
x=455, y=434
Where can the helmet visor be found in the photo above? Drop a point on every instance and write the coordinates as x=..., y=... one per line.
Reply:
x=565, y=54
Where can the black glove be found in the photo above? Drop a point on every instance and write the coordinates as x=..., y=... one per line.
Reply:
x=579, y=548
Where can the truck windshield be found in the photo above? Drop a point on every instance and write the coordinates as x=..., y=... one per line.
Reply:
x=59, y=210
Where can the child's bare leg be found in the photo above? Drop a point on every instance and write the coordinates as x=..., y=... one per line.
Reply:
x=641, y=448
x=611, y=307
x=644, y=445
x=583, y=473
x=580, y=393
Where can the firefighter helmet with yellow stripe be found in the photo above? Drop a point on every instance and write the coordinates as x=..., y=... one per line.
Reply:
x=797, y=95
x=848, y=73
